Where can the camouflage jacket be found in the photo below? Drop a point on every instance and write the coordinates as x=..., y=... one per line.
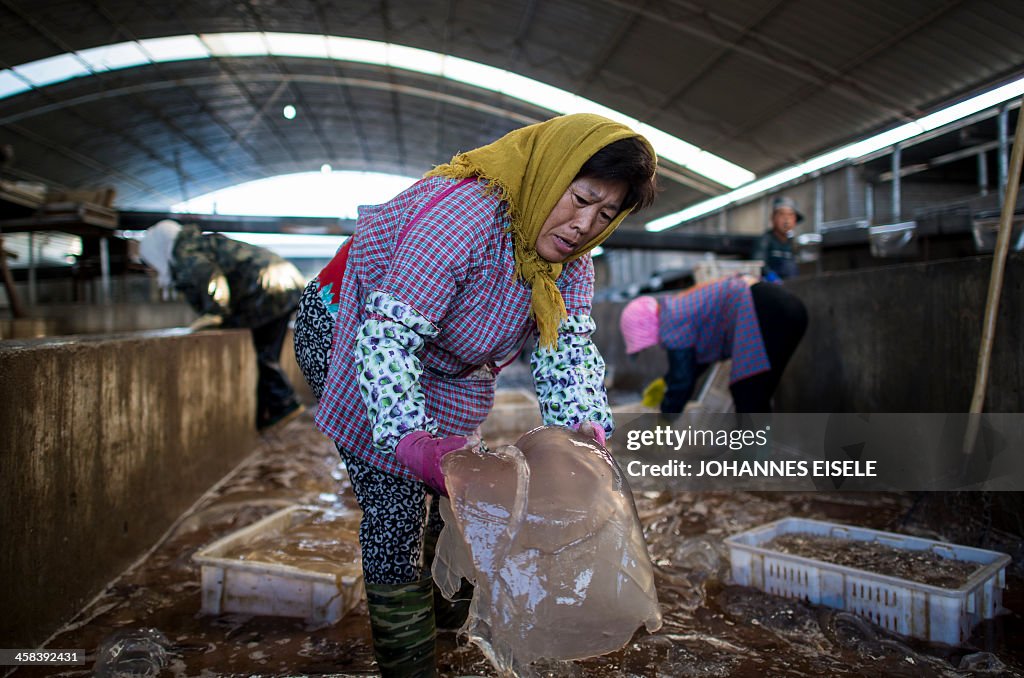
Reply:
x=246, y=285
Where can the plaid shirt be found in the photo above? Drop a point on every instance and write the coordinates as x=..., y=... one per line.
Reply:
x=456, y=269
x=719, y=321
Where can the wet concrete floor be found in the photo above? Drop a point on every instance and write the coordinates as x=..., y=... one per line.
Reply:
x=711, y=628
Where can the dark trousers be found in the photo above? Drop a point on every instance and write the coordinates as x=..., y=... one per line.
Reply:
x=274, y=392
x=683, y=373
x=783, y=321
x=782, y=318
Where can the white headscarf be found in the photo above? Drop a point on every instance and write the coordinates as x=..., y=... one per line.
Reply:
x=157, y=246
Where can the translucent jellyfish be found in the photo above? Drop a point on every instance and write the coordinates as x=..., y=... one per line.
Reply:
x=548, y=532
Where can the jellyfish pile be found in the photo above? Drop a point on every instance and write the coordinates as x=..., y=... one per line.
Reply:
x=548, y=533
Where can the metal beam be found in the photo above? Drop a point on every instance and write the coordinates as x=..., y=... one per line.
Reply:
x=175, y=128
x=133, y=220
x=55, y=40
x=711, y=62
x=311, y=120
x=330, y=80
x=621, y=239
x=665, y=169
x=85, y=160
x=223, y=64
x=689, y=242
x=852, y=88
x=610, y=47
x=940, y=160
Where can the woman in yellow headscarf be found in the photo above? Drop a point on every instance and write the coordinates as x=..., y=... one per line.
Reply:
x=400, y=336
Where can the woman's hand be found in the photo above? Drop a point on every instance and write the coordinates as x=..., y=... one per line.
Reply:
x=422, y=453
x=593, y=430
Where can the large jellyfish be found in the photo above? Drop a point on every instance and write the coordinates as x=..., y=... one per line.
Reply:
x=547, y=531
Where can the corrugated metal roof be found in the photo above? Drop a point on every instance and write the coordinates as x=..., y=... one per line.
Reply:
x=759, y=82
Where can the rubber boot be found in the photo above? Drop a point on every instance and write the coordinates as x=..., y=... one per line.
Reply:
x=404, y=635
x=450, y=615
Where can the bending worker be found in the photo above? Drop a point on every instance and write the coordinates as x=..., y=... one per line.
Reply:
x=401, y=333
x=233, y=284
x=756, y=324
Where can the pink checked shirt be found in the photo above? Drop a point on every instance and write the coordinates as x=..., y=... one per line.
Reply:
x=718, y=320
x=455, y=267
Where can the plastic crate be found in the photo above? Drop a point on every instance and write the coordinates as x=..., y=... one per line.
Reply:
x=909, y=608
x=231, y=585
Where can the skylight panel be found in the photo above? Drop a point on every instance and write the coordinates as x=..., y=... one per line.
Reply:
x=297, y=45
x=883, y=140
x=11, y=84
x=412, y=59
x=852, y=151
x=175, y=48
x=723, y=171
x=481, y=75
x=979, y=103
x=679, y=151
x=315, y=194
x=112, y=57
x=52, y=69
x=355, y=49
x=235, y=44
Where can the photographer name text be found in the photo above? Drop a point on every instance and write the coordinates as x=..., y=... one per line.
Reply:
x=822, y=468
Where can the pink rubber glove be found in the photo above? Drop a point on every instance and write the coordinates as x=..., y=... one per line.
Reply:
x=422, y=452
x=594, y=430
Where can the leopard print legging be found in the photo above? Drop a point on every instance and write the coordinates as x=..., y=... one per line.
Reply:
x=395, y=516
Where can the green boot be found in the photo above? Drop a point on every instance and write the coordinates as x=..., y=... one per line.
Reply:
x=404, y=635
x=449, y=614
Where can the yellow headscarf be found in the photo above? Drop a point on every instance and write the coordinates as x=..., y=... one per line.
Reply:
x=531, y=168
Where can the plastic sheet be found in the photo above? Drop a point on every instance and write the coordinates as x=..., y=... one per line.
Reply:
x=548, y=532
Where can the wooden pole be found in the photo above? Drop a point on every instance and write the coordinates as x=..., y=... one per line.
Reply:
x=5, y=273
x=995, y=282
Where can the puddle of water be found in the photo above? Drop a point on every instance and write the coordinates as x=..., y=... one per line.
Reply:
x=316, y=542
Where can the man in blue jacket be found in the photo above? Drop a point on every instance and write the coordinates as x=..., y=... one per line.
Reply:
x=775, y=248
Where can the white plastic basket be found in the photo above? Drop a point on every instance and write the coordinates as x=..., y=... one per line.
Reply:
x=909, y=608
x=231, y=585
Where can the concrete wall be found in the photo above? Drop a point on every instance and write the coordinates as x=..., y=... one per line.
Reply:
x=104, y=442
x=901, y=338
x=48, y=320
x=905, y=339
x=53, y=320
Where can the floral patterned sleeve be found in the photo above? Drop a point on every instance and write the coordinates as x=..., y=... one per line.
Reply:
x=570, y=377
x=389, y=370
